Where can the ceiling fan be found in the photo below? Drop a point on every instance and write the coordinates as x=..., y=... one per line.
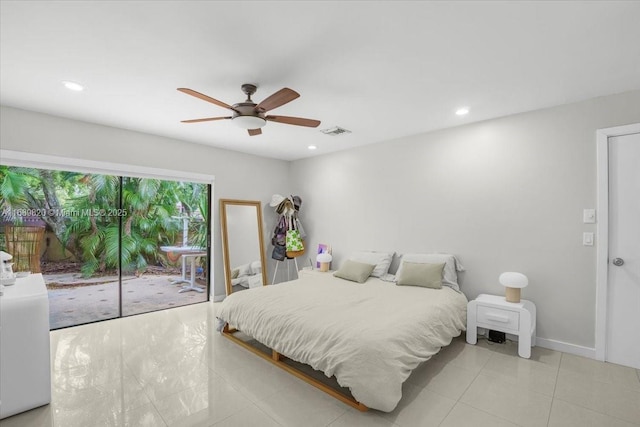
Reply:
x=251, y=116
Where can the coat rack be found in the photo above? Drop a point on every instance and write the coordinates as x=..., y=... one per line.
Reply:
x=288, y=260
x=288, y=233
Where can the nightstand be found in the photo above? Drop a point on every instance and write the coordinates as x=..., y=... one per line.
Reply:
x=494, y=312
x=307, y=272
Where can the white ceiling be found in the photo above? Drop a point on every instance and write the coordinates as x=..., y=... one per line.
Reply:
x=380, y=69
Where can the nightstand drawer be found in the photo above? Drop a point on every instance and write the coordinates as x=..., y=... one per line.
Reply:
x=500, y=318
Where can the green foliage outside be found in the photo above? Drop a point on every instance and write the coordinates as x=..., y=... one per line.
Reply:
x=85, y=213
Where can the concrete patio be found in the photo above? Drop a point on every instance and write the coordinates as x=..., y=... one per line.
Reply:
x=74, y=300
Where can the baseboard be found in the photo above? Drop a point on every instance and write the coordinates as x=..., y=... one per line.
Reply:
x=564, y=347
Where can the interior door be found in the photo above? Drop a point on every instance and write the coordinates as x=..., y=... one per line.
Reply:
x=623, y=311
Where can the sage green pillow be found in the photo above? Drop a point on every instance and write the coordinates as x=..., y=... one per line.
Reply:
x=354, y=271
x=421, y=274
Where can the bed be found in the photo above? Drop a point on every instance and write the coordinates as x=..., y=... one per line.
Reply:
x=246, y=276
x=369, y=335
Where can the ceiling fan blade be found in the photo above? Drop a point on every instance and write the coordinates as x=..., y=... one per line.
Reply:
x=204, y=97
x=254, y=132
x=298, y=121
x=210, y=119
x=278, y=99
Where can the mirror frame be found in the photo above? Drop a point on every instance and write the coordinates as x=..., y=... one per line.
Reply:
x=225, y=238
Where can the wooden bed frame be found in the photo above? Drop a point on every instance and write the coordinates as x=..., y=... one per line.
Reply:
x=276, y=359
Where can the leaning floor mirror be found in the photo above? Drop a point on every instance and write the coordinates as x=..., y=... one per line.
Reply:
x=242, y=244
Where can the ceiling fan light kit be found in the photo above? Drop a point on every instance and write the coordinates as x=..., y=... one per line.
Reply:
x=251, y=116
x=249, y=122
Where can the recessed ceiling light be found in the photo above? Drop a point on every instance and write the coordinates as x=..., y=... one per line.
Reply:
x=312, y=147
x=462, y=111
x=77, y=87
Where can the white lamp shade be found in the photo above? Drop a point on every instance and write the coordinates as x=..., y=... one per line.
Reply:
x=325, y=257
x=511, y=279
x=249, y=122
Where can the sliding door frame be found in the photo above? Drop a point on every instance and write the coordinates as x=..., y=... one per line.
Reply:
x=45, y=161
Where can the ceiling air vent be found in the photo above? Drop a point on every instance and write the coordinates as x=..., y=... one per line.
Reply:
x=335, y=131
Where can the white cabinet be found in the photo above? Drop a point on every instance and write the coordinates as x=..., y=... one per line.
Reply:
x=25, y=375
x=494, y=312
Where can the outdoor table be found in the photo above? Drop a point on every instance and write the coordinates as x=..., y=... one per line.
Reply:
x=189, y=253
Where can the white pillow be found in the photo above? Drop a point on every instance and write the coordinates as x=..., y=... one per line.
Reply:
x=256, y=267
x=381, y=260
x=449, y=273
x=244, y=270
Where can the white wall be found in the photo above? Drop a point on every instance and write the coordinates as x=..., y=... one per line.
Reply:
x=237, y=175
x=503, y=195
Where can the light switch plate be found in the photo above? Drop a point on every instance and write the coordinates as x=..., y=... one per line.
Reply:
x=587, y=239
x=589, y=216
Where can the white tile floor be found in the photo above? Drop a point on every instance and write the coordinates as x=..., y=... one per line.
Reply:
x=170, y=368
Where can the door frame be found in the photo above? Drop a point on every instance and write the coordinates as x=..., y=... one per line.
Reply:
x=602, y=236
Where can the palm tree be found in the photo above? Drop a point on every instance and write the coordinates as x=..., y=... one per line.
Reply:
x=36, y=190
x=106, y=216
x=12, y=185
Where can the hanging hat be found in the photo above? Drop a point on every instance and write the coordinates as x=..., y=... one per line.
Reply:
x=284, y=207
x=297, y=202
x=276, y=199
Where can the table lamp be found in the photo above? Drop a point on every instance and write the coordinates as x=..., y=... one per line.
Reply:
x=513, y=282
x=324, y=260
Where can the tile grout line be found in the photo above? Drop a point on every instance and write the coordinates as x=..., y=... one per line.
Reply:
x=264, y=412
x=156, y=408
x=466, y=389
x=145, y=392
x=482, y=410
x=151, y=400
x=449, y=411
x=479, y=372
x=493, y=354
x=621, y=386
x=579, y=405
x=492, y=415
x=251, y=402
x=555, y=386
x=593, y=410
x=336, y=418
x=243, y=409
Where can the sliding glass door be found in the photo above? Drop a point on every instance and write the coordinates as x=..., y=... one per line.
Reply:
x=164, y=237
x=107, y=246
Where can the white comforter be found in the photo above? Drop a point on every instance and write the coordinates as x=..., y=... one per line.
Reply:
x=370, y=336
